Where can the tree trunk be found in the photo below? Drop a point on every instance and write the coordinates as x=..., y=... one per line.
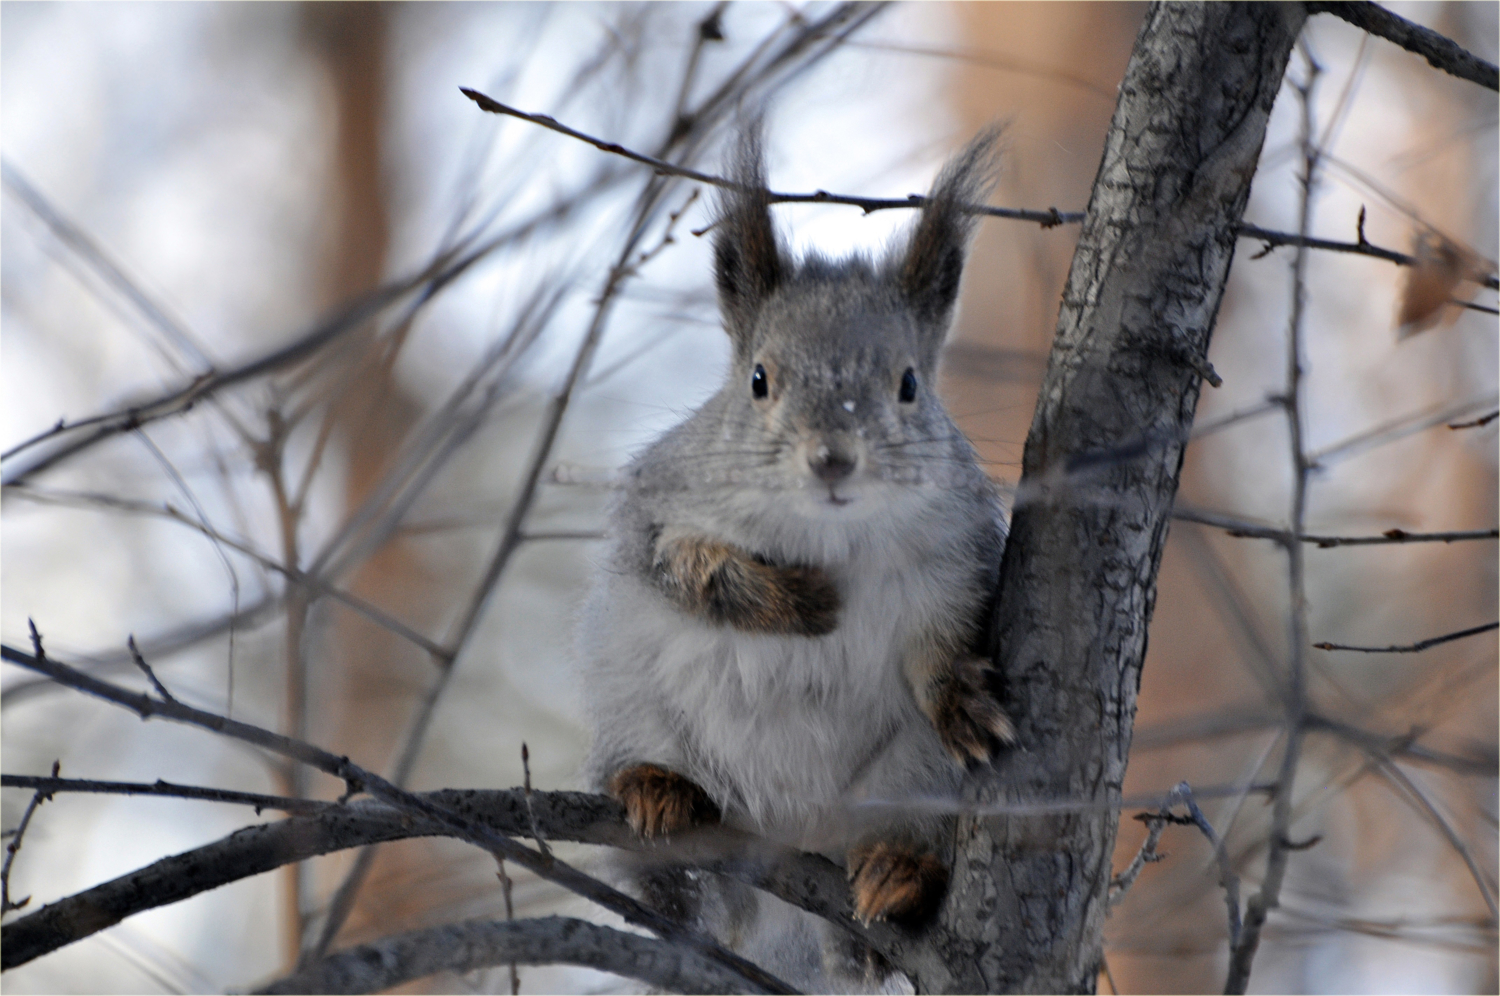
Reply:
x=1026, y=909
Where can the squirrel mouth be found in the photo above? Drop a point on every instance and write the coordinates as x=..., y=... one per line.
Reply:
x=834, y=499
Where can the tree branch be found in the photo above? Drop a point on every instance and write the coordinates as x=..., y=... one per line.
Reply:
x=358, y=779
x=1443, y=53
x=1361, y=248
x=478, y=944
x=1251, y=530
x=50, y=786
x=1411, y=648
x=1047, y=219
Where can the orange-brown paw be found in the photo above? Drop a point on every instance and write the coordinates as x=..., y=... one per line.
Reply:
x=894, y=880
x=969, y=721
x=658, y=802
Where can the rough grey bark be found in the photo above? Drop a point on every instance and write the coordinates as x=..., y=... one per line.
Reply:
x=1026, y=909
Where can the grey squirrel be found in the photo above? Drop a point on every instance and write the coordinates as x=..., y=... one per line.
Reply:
x=789, y=620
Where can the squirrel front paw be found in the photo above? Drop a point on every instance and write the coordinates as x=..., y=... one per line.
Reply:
x=894, y=880
x=729, y=586
x=658, y=802
x=969, y=721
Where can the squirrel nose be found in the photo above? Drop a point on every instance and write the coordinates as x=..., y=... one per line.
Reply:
x=830, y=465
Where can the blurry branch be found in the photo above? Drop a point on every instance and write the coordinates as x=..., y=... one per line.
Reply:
x=181, y=638
x=84, y=499
x=360, y=780
x=479, y=944
x=183, y=398
x=444, y=269
x=1244, y=942
x=1047, y=218
x=49, y=786
x=995, y=60
x=11, y=848
x=1476, y=423
x=1388, y=432
x=1441, y=52
x=1417, y=799
x=1412, y=648
x=1235, y=418
x=1273, y=239
x=1251, y=530
x=1407, y=748
x=74, y=238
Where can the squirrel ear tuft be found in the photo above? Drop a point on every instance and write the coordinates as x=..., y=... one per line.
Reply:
x=933, y=261
x=748, y=259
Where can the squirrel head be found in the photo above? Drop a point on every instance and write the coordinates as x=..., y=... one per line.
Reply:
x=835, y=361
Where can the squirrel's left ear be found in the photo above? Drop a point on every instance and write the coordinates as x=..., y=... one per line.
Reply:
x=749, y=262
x=928, y=271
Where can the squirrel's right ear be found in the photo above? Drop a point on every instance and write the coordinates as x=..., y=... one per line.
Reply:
x=748, y=259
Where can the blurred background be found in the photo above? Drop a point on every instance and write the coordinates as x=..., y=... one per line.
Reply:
x=379, y=543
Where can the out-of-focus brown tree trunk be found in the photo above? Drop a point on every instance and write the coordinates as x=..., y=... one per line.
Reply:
x=363, y=690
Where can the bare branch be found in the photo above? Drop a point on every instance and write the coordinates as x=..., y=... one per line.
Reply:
x=1047, y=219
x=99, y=262
x=1397, y=428
x=1411, y=648
x=1362, y=248
x=360, y=779
x=478, y=944
x=1439, y=51
x=1252, y=530
x=6, y=905
x=1148, y=854
x=1476, y=423
x=49, y=786
x=1245, y=941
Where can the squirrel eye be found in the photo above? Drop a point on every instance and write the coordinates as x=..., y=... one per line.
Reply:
x=758, y=385
x=909, y=386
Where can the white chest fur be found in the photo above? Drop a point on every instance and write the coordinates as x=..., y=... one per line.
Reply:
x=787, y=732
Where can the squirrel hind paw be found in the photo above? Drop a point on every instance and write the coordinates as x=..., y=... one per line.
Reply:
x=894, y=881
x=659, y=802
x=970, y=722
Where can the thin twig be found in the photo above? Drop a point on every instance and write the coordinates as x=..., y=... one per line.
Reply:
x=140, y=662
x=70, y=235
x=1362, y=248
x=454, y=822
x=1148, y=854
x=1441, y=52
x=536, y=831
x=15, y=845
x=510, y=915
x=1476, y=423
x=1251, y=530
x=1243, y=947
x=1393, y=773
x=87, y=499
x=1047, y=219
x=1397, y=428
x=48, y=786
x=1411, y=648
